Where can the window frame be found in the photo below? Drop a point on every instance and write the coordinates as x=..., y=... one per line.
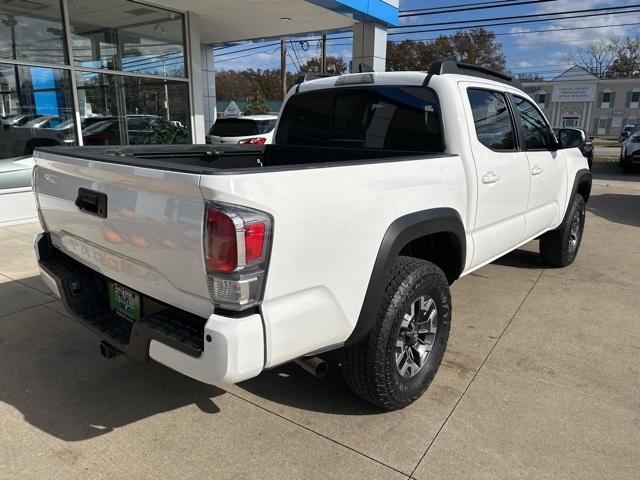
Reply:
x=523, y=142
x=507, y=100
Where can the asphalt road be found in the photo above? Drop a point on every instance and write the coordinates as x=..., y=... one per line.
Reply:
x=540, y=380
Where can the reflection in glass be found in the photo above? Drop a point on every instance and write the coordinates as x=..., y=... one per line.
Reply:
x=127, y=36
x=36, y=109
x=121, y=110
x=32, y=30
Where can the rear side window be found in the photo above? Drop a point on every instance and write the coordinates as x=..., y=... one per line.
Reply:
x=493, y=122
x=385, y=118
x=234, y=127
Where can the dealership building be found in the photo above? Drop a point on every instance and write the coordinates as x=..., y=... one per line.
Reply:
x=96, y=72
x=579, y=99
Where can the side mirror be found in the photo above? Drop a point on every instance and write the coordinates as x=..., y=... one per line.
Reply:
x=570, y=138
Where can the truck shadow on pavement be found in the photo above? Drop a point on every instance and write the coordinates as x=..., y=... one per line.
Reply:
x=52, y=373
x=521, y=258
x=291, y=386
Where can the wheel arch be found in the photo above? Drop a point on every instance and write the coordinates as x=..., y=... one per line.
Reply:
x=581, y=186
x=420, y=234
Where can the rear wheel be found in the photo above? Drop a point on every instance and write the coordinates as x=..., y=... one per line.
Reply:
x=395, y=363
x=559, y=247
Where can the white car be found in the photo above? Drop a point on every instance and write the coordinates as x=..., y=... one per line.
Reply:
x=630, y=151
x=248, y=130
x=380, y=190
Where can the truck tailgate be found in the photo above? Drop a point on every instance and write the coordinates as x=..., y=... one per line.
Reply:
x=141, y=227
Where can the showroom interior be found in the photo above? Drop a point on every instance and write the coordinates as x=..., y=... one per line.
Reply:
x=118, y=72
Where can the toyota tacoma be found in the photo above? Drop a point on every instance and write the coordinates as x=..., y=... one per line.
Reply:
x=379, y=192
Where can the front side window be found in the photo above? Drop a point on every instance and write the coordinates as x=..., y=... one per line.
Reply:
x=493, y=123
x=537, y=134
x=385, y=117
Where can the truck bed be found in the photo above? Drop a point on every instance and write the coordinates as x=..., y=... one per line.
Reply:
x=227, y=159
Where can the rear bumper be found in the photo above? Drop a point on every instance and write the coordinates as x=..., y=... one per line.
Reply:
x=218, y=350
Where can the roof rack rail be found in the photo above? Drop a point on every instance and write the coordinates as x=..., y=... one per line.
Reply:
x=451, y=66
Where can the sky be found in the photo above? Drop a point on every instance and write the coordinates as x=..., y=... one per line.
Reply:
x=529, y=47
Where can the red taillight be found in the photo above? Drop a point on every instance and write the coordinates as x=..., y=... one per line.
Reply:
x=221, y=245
x=236, y=247
x=253, y=141
x=254, y=240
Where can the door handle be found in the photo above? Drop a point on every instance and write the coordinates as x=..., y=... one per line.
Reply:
x=536, y=170
x=490, y=177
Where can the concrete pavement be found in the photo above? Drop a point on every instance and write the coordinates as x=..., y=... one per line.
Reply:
x=541, y=380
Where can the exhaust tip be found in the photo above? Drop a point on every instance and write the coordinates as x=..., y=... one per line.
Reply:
x=314, y=365
x=108, y=351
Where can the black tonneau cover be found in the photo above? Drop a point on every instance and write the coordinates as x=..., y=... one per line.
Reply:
x=235, y=159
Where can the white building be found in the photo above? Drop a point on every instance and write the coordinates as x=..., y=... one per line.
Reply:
x=579, y=99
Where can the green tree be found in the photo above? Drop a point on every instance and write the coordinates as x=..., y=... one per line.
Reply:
x=627, y=58
x=337, y=64
x=257, y=104
x=476, y=46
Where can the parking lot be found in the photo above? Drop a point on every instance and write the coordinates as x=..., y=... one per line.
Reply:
x=541, y=380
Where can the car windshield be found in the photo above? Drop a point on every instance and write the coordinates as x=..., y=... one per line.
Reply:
x=65, y=124
x=235, y=127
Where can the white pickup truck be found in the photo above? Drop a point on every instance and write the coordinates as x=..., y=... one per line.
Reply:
x=380, y=191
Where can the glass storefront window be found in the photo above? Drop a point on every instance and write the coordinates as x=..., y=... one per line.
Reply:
x=124, y=110
x=32, y=31
x=126, y=36
x=144, y=100
x=36, y=109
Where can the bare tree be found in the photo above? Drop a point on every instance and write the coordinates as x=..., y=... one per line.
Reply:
x=596, y=58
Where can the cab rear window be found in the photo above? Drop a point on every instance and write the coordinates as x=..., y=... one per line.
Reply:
x=383, y=117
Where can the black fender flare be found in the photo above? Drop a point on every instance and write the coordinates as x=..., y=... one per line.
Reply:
x=581, y=184
x=402, y=231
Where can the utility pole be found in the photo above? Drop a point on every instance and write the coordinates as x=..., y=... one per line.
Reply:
x=323, y=54
x=283, y=66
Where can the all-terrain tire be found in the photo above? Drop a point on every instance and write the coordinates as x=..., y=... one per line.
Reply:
x=559, y=247
x=370, y=367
